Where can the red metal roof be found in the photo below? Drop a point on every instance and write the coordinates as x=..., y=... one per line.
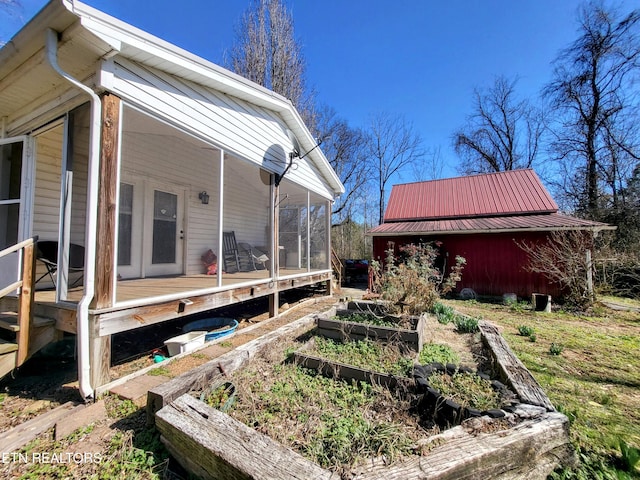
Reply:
x=487, y=195
x=532, y=223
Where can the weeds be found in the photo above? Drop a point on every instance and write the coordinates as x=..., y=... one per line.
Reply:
x=444, y=314
x=466, y=324
x=365, y=354
x=334, y=423
x=119, y=408
x=160, y=371
x=525, y=330
x=555, y=349
x=437, y=352
x=368, y=318
x=466, y=389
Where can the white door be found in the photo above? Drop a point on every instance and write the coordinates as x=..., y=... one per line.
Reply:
x=150, y=230
x=16, y=180
x=163, y=232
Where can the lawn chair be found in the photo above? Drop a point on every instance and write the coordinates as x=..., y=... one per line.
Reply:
x=47, y=253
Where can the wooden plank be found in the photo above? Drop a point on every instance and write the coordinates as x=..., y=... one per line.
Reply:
x=212, y=445
x=532, y=449
x=134, y=317
x=513, y=371
x=107, y=202
x=9, y=322
x=8, y=355
x=19, y=436
x=7, y=347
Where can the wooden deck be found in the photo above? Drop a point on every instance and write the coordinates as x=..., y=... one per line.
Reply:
x=147, y=301
x=140, y=289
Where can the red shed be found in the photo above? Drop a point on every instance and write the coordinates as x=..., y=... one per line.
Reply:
x=481, y=218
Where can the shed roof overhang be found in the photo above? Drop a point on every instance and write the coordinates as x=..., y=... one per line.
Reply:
x=508, y=224
x=88, y=36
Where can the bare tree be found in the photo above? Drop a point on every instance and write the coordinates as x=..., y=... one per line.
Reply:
x=594, y=96
x=392, y=144
x=344, y=148
x=430, y=167
x=267, y=52
x=502, y=133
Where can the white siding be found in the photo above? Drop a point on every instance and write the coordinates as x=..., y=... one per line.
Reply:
x=161, y=155
x=249, y=132
x=46, y=207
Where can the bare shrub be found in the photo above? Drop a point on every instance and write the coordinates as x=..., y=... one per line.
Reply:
x=563, y=261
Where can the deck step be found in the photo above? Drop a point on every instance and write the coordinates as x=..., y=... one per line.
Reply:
x=7, y=360
x=7, y=347
x=9, y=321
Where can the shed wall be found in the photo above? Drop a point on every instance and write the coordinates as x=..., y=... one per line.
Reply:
x=495, y=263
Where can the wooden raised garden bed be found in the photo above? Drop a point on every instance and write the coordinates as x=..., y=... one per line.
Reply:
x=336, y=369
x=527, y=442
x=383, y=327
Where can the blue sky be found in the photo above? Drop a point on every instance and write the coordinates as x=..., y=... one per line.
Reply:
x=418, y=58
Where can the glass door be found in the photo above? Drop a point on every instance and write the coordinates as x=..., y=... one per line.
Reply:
x=164, y=232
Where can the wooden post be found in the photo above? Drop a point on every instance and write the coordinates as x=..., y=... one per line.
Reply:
x=107, y=203
x=25, y=313
x=589, y=267
x=99, y=355
x=274, y=298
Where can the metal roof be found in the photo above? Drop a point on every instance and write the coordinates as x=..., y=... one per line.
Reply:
x=514, y=223
x=494, y=194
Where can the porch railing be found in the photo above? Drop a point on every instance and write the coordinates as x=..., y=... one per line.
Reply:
x=337, y=266
x=25, y=287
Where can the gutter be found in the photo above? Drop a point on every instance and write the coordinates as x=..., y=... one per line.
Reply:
x=82, y=313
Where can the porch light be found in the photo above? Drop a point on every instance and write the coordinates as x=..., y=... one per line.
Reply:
x=204, y=197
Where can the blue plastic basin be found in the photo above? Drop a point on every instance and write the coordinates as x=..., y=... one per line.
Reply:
x=216, y=327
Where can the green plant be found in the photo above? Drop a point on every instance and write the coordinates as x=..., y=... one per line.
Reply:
x=160, y=371
x=555, y=349
x=437, y=352
x=466, y=389
x=630, y=456
x=525, y=330
x=334, y=423
x=368, y=318
x=465, y=324
x=365, y=354
x=119, y=408
x=533, y=337
x=444, y=313
x=3, y=397
x=226, y=344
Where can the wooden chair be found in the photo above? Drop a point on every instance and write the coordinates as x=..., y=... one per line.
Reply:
x=241, y=257
x=230, y=252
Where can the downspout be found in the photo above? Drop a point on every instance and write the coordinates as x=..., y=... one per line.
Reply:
x=82, y=313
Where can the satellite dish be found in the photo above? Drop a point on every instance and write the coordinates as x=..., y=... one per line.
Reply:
x=294, y=142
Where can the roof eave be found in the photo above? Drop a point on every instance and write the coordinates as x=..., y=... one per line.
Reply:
x=594, y=229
